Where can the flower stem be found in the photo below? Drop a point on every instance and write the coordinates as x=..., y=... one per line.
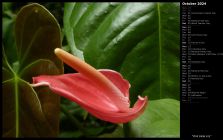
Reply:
x=126, y=130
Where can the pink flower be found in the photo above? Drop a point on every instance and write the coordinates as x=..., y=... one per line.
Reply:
x=103, y=93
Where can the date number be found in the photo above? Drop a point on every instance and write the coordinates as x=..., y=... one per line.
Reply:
x=201, y=3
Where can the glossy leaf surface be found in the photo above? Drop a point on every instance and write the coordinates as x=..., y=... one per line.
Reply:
x=160, y=119
x=29, y=112
x=141, y=40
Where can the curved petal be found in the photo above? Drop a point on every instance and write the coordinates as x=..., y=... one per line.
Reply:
x=117, y=79
x=121, y=117
x=83, y=91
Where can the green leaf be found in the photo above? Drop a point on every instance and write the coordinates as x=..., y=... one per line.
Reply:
x=6, y=69
x=6, y=6
x=25, y=111
x=140, y=40
x=117, y=133
x=38, y=67
x=89, y=21
x=70, y=10
x=8, y=38
x=29, y=112
x=37, y=34
x=160, y=119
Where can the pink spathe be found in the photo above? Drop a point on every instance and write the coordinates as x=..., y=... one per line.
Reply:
x=103, y=93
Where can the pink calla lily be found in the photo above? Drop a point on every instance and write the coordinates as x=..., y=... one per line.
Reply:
x=103, y=93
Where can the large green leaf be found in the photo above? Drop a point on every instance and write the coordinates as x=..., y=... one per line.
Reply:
x=160, y=119
x=29, y=112
x=141, y=40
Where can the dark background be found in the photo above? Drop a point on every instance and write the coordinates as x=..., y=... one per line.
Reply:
x=200, y=118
